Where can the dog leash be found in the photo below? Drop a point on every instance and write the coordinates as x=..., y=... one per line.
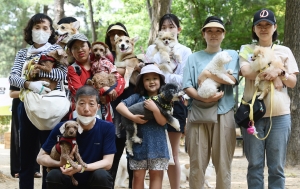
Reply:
x=252, y=129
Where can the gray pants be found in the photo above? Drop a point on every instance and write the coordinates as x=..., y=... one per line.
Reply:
x=211, y=140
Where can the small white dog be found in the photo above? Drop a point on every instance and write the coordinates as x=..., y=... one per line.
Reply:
x=164, y=44
x=216, y=66
x=122, y=174
x=185, y=174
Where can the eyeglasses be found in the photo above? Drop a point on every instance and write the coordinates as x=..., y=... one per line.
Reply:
x=77, y=48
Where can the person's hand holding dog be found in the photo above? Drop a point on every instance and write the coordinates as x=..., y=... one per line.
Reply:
x=150, y=105
x=39, y=87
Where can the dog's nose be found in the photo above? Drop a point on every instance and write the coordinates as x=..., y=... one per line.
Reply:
x=122, y=46
x=56, y=33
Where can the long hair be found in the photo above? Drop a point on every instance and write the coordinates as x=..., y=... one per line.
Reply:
x=37, y=19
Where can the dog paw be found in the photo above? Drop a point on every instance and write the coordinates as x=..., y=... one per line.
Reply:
x=137, y=140
x=229, y=71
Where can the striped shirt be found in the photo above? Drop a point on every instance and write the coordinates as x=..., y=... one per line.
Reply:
x=57, y=74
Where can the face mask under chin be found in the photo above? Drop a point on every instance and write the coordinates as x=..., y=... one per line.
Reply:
x=86, y=120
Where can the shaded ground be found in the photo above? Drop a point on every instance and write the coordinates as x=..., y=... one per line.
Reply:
x=239, y=170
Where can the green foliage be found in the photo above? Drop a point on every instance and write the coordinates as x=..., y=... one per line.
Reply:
x=236, y=14
x=5, y=120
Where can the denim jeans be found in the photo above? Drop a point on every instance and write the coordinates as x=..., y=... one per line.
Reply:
x=273, y=149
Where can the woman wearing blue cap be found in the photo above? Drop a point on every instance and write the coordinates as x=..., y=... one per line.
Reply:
x=273, y=148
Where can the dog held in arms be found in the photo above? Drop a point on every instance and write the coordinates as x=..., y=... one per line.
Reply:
x=163, y=100
x=65, y=145
x=46, y=62
x=125, y=58
x=216, y=66
x=164, y=44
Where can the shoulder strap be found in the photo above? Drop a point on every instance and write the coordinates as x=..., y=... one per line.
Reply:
x=77, y=68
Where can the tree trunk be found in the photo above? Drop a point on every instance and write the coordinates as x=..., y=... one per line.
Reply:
x=59, y=11
x=291, y=39
x=94, y=37
x=157, y=10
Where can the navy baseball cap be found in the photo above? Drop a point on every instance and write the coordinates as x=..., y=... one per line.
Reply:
x=264, y=15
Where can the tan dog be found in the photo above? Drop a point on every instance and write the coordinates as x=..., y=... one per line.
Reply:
x=164, y=44
x=65, y=31
x=264, y=60
x=101, y=80
x=46, y=63
x=126, y=58
x=65, y=145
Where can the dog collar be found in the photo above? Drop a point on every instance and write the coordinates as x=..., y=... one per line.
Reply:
x=166, y=105
x=265, y=67
x=70, y=140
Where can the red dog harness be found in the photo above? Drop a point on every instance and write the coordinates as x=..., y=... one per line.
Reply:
x=70, y=140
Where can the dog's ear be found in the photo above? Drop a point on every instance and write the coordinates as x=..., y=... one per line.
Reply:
x=80, y=129
x=75, y=25
x=60, y=51
x=55, y=26
x=135, y=39
x=116, y=37
x=63, y=128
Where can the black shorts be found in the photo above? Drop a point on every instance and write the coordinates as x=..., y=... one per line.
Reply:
x=180, y=113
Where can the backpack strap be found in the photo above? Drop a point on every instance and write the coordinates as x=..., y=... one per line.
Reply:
x=77, y=68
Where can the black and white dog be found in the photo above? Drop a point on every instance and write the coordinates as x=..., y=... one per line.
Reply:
x=168, y=94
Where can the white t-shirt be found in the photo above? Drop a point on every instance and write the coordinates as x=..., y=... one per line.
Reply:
x=281, y=100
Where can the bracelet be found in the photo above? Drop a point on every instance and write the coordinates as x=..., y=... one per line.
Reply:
x=41, y=89
x=82, y=169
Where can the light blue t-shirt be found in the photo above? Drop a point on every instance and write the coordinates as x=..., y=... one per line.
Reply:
x=197, y=62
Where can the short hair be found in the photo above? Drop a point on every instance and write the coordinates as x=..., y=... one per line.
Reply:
x=107, y=40
x=87, y=90
x=37, y=19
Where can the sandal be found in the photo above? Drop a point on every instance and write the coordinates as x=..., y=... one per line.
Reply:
x=37, y=175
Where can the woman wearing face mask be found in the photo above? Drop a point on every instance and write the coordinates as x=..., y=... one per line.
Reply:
x=170, y=22
x=39, y=34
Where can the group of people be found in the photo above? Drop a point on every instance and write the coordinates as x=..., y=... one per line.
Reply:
x=102, y=142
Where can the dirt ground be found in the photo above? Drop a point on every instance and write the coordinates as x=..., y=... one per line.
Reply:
x=239, y=170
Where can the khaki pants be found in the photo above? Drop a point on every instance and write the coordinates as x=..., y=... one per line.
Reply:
x=211, y=140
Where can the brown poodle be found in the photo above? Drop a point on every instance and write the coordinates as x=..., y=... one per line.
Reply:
x=102, y=79
x=65, y=145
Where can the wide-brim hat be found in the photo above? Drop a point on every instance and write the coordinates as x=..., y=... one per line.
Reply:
x=213, y=24
x=78, y=36
x=149, y=69
x=117, y=27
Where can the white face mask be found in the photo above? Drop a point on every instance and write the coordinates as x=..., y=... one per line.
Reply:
x=86, y=120
x=40, y=36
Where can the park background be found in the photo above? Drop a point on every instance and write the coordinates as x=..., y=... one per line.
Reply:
x=141, y=19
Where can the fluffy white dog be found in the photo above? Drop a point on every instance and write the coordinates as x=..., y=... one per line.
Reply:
x=122, y=174
x=185, y=174
x=216, y=66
